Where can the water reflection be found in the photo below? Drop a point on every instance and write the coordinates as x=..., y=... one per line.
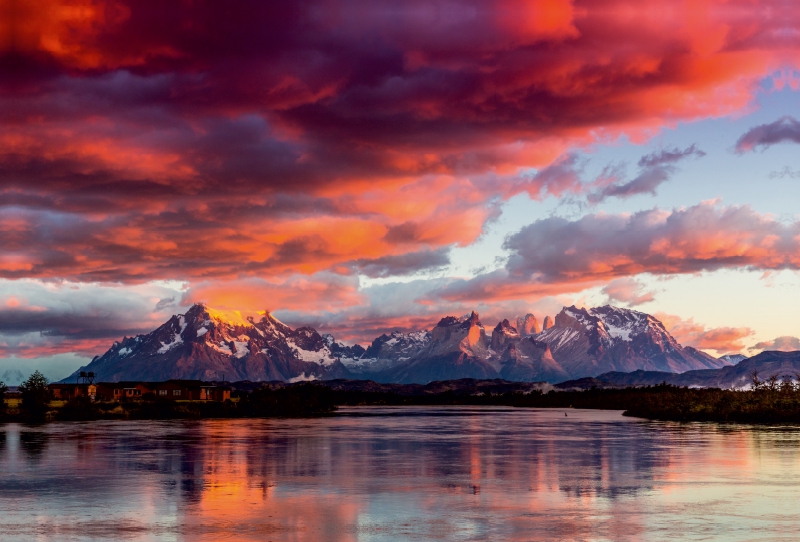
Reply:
x=33, y=443
x=393, y=474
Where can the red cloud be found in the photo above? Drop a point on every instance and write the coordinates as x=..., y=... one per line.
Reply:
x=146, y=140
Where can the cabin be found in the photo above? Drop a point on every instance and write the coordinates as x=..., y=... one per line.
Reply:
x=71, y=391
x=174, y=390
x=118, y=391
x=190, y=390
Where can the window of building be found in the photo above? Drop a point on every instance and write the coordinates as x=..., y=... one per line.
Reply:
x=162, y=392
x=176, y=392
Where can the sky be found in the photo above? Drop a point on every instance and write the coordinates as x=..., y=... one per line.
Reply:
x=363, y=167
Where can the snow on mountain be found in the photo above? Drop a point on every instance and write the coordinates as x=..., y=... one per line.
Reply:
x=580, y=343
x=733, y=359
x=589, y=342
x=208, y=344
x=387, y=351
x=460, y=348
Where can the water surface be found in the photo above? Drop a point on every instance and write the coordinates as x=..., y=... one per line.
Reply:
x=452, y=473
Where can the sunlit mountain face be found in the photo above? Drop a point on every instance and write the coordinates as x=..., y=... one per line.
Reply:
x=365, y=168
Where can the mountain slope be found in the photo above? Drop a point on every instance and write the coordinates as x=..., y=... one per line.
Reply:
x=460, y=348
x=387, y=351
x=580, y=343
x=590, y=342
x=209, y=345
x=769, y=363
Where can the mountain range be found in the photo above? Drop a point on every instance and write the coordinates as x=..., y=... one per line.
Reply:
x=208, y=344
x=766, y=364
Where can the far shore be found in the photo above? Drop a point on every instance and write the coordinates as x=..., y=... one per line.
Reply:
x=769, y=403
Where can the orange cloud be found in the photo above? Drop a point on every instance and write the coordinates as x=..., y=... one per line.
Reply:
x=723, y=340
x=316, y=293
x=264, y=141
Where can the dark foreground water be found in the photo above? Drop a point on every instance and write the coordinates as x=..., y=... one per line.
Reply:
x=458, y=473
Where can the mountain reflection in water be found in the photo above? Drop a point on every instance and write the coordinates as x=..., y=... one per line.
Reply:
x=458, y=473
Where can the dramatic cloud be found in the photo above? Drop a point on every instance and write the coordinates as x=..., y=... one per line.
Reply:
x=404, y=307
x=628, y=291
x=147, y=141
x=785, y=129
x=700, y=238
x=319, y=292
x=722, y=340
x=38, y=319
x=562, y=176
x=656, y=168
x=255, y=149
x=164, y=303
x=785, y=344
x=404, y=264
x=556, y=255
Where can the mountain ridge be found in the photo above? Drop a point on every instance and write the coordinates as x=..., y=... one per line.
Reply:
x=208, y=344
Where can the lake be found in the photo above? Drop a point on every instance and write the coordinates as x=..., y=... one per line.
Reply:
x=421, y=473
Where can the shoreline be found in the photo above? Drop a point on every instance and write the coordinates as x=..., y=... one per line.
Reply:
x=766, y=406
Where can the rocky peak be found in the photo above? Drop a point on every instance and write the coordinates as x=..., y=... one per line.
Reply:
x=270, y=325
x=397, y=345
x=506, y=327
x=307, y=338
x=448, y=321
x=503, y=334
x=528, y=325
x=447, y=325
x=471, y=320
x=577, y=319
x=547, y=323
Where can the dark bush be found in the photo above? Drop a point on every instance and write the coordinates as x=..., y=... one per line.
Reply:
x=289, y=402
x=36, y=397
x=79, y=409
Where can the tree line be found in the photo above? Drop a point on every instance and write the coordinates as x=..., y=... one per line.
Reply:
x=773, y=400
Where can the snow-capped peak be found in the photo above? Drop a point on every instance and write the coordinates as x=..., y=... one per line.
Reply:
x=615, y=323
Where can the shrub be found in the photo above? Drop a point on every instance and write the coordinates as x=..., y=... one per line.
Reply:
x=291, y=401
x=79, y=409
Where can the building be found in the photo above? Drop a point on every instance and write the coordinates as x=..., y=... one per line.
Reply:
x=174, y=390
x=117, y=391
x=190, y=390
x=70, y=391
